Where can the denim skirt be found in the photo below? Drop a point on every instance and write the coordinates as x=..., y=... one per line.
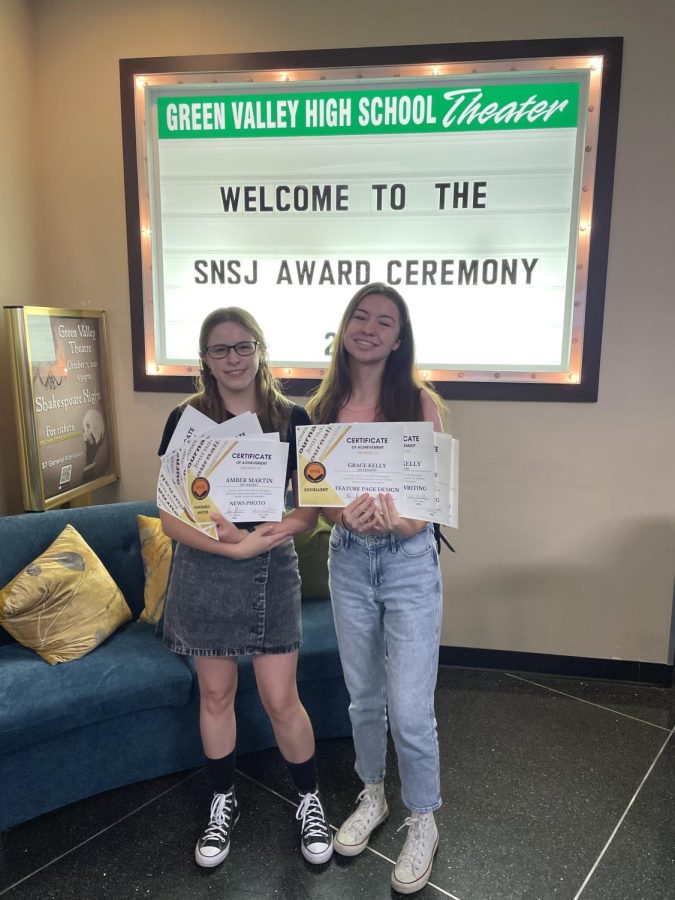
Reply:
x=217, y=606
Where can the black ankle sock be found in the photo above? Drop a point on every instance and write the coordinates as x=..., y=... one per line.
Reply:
x=304, y=775
x=221, y=773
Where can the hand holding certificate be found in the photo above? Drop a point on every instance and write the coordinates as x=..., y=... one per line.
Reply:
x=416, y=466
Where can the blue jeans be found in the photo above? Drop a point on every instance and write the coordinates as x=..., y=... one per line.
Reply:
x=387, y=602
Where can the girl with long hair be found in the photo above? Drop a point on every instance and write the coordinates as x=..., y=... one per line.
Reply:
x=240, y=595
x=385, y=587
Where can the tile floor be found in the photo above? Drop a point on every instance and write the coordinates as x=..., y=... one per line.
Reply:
x=553, y=788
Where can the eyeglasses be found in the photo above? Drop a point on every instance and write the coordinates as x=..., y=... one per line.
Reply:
x=220, y=351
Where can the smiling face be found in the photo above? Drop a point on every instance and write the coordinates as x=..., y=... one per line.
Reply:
x=372, y=332
x=234, y=374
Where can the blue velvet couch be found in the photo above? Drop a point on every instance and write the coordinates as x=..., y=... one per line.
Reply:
x=127, y=711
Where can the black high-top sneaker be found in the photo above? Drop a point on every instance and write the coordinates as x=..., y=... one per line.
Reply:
x=214, y=845
x=316, y=839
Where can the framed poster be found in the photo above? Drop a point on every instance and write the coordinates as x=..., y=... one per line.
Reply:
x=63, y=403
x=476, y=179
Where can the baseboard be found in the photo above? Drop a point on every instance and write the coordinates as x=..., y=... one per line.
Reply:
x=551, y=664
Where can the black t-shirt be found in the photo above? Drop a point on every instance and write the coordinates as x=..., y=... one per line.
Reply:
x=297, y=416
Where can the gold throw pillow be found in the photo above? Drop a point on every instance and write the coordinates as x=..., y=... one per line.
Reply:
x=156, y=552
x=64, y=604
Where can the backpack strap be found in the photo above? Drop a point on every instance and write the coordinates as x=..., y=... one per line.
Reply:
x=439, y=536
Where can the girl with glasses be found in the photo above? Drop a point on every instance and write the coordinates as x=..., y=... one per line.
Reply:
x=241, y=595
x=385, y=586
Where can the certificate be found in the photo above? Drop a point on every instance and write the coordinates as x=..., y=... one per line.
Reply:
x=231, y=469
x=191, y=422
x=409, y=460
x=338, y=463
x=244, y=425
x=241, y=480
x=419, y=471
x=248, y=481
x=447, y=480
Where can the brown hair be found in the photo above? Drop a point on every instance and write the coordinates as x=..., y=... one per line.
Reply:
x=401, y=387
x=271, y=405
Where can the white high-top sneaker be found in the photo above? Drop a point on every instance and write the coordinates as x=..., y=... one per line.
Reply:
x=413, y=867
x=353, y=836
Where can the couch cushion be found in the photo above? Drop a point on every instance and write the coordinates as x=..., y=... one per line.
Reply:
x=319, y=657
x=110, y=530
x=64, y=604
x=131, y=671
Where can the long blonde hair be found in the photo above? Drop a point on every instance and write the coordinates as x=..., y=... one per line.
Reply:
x=271, y=405
x=401, y=387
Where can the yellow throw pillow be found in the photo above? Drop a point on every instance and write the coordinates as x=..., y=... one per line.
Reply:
x=156, y=552
x=64, y=603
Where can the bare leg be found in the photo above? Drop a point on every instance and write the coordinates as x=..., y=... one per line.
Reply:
x=275, y=677
x=217, y=687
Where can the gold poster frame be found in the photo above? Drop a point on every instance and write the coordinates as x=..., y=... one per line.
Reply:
x=27, y=366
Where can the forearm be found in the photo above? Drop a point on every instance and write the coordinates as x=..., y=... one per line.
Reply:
x=301, y=519
x=408, y=527
x=332, y=514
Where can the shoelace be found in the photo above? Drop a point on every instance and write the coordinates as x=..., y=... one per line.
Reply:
x=221, y=813
x=414, y=841
x=359, y=819
x=366, y=800
x=310, y=812
x=368, y=795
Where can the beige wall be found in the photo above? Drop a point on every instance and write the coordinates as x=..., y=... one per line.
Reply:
x=567, y=531
x=17, y=197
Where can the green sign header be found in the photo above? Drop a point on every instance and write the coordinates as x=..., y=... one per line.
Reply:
x=504, y=107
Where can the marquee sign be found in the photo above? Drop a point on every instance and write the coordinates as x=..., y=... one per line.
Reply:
x=468, y=186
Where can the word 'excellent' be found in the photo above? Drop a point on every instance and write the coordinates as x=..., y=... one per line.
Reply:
x=502, y=271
